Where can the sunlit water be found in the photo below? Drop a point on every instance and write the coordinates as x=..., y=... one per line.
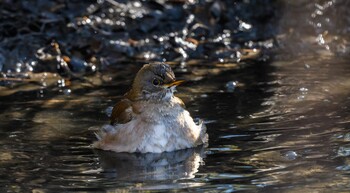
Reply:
x=284, y=128
x=279, y=124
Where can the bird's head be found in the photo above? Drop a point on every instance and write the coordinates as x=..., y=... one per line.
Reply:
x=155, y=81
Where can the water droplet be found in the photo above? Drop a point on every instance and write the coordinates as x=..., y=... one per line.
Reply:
x=61, y=83
x=108, y=111
x=67, y=91
x=320, y=39
x=231, y=86
x=137, y=4
x=290, y=155
x=303, y=89
x=243, y=26
x=40, y=93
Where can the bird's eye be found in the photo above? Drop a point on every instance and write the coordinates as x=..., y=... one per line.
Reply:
x=156, y=82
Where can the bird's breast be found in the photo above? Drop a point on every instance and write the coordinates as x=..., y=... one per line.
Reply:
x=157, y=126
x=158, y=112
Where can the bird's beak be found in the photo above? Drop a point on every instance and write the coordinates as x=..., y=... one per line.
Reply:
x=175, y=83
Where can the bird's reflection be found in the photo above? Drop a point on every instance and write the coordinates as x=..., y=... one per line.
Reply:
x=151, y=166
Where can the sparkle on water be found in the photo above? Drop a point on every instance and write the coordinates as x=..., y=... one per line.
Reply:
x=280, y=125
x=286, y=124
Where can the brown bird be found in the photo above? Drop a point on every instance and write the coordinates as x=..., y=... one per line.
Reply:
x=150, y=118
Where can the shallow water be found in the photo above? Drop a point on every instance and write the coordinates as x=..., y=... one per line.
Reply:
x=284, y=128
x=278, y=123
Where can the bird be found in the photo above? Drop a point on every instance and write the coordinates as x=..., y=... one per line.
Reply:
x=150, y=118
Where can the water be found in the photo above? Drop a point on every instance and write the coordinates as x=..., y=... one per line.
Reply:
x=276, y=123
x=286, y=128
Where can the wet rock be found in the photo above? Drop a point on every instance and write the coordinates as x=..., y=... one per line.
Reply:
x=102, y=30
x=215, y=11
x=2, y=62
x=148, y=23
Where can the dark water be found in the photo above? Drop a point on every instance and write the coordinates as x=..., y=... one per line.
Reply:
x=284, y=129
x=279, y=123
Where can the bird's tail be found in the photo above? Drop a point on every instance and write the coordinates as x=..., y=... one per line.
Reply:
x=105, y=129
x=101, y=134
x=203, y=136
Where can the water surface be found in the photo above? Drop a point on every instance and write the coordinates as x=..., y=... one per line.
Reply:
x=276, y=123
x=284, y=128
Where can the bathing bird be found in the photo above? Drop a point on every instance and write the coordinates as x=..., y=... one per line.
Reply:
x=150, y=118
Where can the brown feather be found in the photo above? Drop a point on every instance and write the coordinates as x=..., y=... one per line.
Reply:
x=121, y=113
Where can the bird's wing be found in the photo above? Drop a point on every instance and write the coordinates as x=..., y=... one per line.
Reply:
x=122, y=112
